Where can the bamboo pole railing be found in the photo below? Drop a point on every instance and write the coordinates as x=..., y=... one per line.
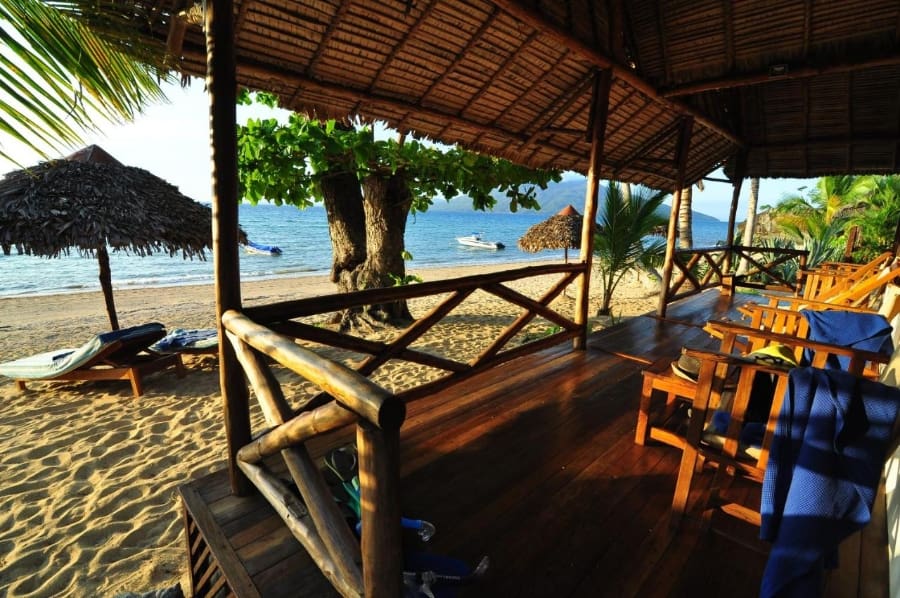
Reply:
x=316, y=522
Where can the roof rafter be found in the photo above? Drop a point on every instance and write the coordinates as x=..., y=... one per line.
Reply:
x=604, y=62
x=763, y=78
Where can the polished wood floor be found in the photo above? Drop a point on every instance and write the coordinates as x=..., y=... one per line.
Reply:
x=534, y=465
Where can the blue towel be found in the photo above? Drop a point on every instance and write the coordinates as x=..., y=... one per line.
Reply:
x=180, y=338
x=824, y=468
x=865, y=331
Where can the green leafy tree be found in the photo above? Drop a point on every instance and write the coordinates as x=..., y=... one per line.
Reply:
x=623, y=242
x=368, y=188
x=64, y=64
x=878, y=221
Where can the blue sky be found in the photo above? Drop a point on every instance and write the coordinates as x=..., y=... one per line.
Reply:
x=172, y=141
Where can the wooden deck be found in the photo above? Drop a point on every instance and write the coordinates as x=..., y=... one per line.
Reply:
x=533, y=464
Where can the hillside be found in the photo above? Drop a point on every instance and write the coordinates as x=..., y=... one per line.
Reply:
x=552, y=199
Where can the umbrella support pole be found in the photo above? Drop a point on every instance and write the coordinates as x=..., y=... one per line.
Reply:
x=106, y=286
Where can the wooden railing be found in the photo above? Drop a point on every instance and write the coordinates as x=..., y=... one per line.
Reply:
x=282, y=317
x=695, y=270
x=371, y=566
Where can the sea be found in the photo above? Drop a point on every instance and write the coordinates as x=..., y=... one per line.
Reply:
x=306, y=251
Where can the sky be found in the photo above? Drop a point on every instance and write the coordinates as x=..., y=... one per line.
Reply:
x=172, y=141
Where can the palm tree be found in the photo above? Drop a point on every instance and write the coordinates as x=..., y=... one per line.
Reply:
x=750, y=224
x=685, y=219
x=66, y=64
x=817, y=222
x=878, y=222
x=623, y=242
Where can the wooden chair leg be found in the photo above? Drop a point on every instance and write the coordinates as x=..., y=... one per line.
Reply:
x=640, y=434
x=136, y=385
x=683, y=484
x=20, y=384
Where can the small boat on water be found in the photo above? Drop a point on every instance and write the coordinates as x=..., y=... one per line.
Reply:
x=261, y=249
x=475, y=240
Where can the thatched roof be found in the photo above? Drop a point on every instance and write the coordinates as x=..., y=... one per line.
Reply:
x=560, y=231
x=58, y=205
x=806, y=88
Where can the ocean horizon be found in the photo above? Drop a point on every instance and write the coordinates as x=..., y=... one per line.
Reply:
x=303, y=237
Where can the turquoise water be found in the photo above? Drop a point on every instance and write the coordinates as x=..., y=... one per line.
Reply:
x=303, y=236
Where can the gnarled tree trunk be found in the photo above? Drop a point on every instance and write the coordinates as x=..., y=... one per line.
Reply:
x=343, y=201
x=386, y=201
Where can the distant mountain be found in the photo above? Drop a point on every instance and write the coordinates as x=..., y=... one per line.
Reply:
x=552, y=199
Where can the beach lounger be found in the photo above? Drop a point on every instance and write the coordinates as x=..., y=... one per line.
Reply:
x=117, y=355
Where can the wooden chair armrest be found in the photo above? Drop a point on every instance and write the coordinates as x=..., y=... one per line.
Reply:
x=723, y=328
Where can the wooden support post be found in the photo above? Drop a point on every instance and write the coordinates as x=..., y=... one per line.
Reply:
x=740, y=168
x=379, y=480
x=221, y=80
x=684, y=146
x=599, y=111
x=106, y=286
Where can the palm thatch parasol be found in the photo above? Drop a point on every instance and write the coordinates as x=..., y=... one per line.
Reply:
x=560, y=231
x=90, y=201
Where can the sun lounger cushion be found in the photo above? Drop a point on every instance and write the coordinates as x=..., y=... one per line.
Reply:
x=180, y=339
x=61, y=361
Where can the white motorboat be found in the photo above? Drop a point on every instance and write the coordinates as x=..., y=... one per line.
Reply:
x=475, y=240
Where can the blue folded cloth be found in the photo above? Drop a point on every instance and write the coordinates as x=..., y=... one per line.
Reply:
x=824, y=468
x=864, y=331
x=180, y=339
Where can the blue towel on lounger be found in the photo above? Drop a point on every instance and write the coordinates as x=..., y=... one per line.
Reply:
x=824, y=468
x=864, y=331
x=180, y=339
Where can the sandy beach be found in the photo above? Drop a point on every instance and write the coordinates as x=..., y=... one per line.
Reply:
x=88, y=504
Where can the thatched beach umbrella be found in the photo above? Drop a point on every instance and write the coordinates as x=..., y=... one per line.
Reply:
x=90, y=201
x=560, y=231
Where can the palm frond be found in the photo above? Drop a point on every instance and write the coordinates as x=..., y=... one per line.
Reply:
x=67, y=64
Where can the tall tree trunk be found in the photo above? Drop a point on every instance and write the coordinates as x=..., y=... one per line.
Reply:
x=685, y=228
x=343, y=201
x=386, y=201
x=750, y=224
x=626, y=193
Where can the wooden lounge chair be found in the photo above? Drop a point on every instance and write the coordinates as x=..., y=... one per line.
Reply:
x=863, y=556
x=729, y=452
x=832, y=278
x=117, y=355
x=852, y=292
x=768, y=325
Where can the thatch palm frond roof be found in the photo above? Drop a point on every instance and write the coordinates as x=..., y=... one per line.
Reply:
x=560, y=231
x=91, y=202
x=801, y=89
x=56, y=206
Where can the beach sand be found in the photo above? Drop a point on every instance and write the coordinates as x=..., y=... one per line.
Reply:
x=88, y=503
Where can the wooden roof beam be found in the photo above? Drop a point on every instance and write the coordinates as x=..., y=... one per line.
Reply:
x=564, y=103
x=534, y=19
x=763, y=78
x=651, y=144
x=825, y=141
